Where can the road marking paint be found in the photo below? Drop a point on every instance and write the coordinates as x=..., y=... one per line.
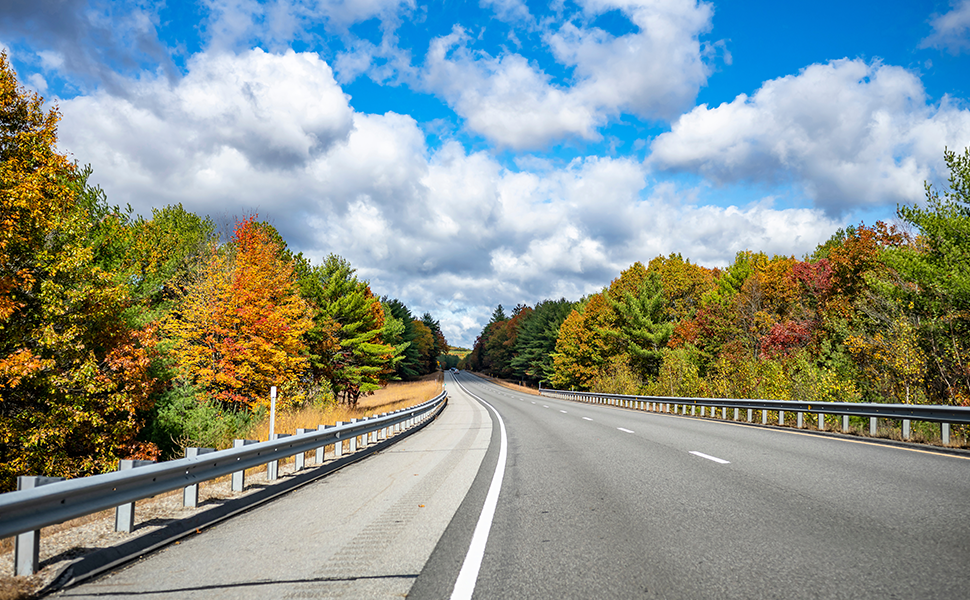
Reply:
x=545, y=406
x=587, y=419
x=624, y=430
x=468, y=576
x=562, y=411
x=709, y=457
x=533, y=402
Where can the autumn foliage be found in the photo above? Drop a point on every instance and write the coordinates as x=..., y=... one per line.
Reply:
x=876, y=313
x=239, y=327
x=123, y=336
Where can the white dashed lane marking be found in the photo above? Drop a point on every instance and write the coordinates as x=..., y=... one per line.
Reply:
x=709, y=457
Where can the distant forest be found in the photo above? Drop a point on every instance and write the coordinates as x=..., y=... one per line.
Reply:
x=875, y=314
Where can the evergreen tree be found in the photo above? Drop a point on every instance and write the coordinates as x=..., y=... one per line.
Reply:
x=641, y=326
x=536, y=340
x=409, y=366
x=350, y=323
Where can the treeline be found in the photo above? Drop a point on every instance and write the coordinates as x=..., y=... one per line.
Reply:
x=128, y=337
x=875, y=314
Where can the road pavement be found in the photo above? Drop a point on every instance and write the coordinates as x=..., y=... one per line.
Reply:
x=363, y=532
x=600, y=502
x=592, y=502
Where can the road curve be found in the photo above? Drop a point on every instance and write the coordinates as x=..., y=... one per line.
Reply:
x=599, y=502
x=593, y=502
x=365, y=531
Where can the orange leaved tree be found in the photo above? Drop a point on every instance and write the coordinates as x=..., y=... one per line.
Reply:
x=239, y=327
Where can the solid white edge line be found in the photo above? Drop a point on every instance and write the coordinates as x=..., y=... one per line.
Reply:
x=709, y=457
x=468, y=576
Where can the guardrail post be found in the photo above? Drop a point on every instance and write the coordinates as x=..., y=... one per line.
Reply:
x=372, y=436
x=364, y=438
x=750, y=412
x=724, y=413
x=945, y=433
x=735, y=414
x=26, y=547
x=845, y=423
x=800, y=420
x=383, y=433
x=125, y=514
x=353, y=440
x=190, y=493
x=273, y=466
x=338, y=447
x=239, y=477
x=321, y=451
x=764, y=417
x=821, y=422
x=693, y=409
x=905, y=429
x=300, y=459
x=873, y=425
x=781, y=417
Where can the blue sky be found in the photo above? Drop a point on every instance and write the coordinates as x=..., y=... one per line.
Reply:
x=465, y=154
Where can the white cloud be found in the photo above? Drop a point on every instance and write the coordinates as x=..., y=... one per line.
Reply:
x=445, y=230
x=951, y=30
x=511, y=11
x=254, y=111
x=654, y=73
x=850, y=134
x=38, y=82
x=235, y=24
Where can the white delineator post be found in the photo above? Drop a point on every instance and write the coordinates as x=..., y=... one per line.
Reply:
x=272, y=411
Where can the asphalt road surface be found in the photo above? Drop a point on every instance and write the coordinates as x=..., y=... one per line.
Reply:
x=600, y=502
x=591, y=502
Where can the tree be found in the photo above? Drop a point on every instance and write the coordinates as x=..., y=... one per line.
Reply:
x=936, y=272
x=408, y=366
x=74, y=374
x=239, y=327
x=356, y=360
x=642, y=329
x=581, y=348
x=440, y=345
x=536, y=340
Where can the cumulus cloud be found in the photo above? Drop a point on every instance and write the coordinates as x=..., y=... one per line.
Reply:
x=446, y=230
x=91, y=40
x=253, y=111
x=851, y=134
x=510, y=11
x=951, y=30
x=654, y=73
x=236, y=24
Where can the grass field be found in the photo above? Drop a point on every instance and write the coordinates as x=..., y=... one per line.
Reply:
x=391, y=397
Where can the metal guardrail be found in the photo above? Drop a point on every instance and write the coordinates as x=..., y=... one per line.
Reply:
x=945, y=415
x=29, y=510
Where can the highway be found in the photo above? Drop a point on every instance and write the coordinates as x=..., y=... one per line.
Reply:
x=590, y=502
x=600, y=502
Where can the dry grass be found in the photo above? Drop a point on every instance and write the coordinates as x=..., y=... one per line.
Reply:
x=392, y=397
x=16, y=588
x=512, y=385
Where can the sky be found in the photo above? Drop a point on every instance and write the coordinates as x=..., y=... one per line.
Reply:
x=463, y=154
